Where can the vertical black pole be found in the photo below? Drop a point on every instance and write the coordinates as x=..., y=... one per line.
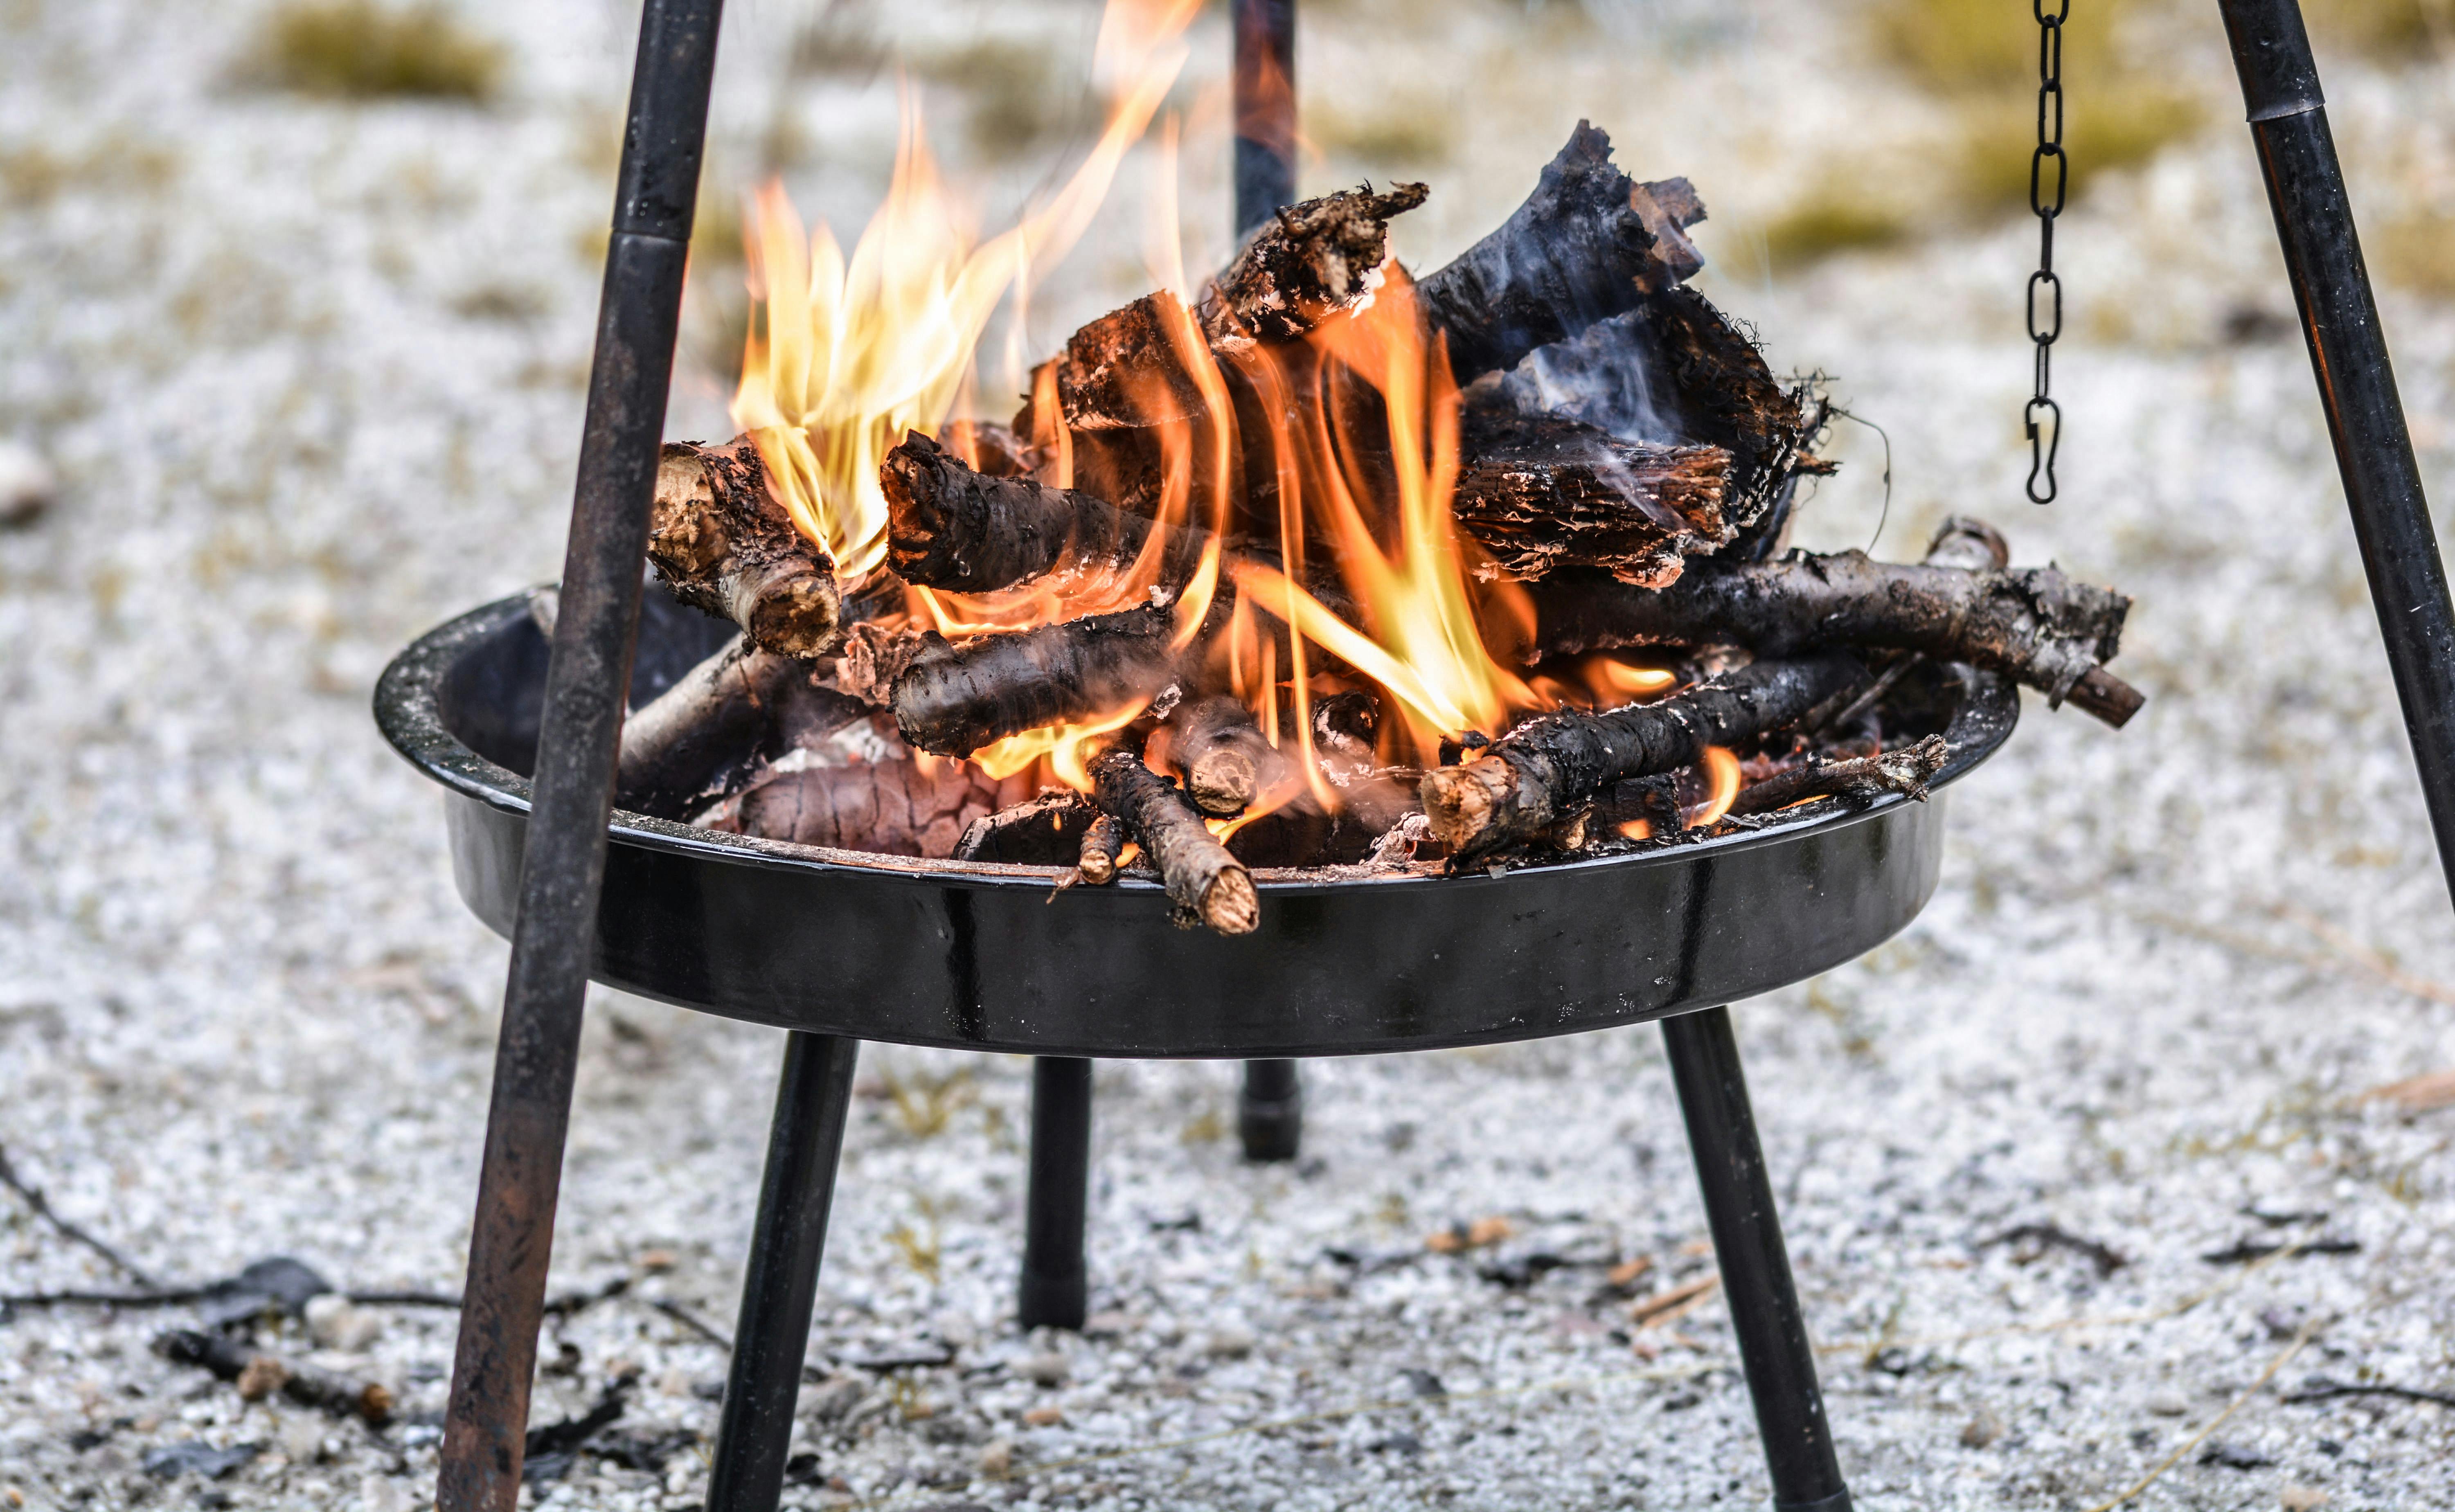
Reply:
x=804, y=1139
x=2305, y=189
x=1270, y=1110
x=1054, y=1292
x=1755, y=1267
x=564, y=864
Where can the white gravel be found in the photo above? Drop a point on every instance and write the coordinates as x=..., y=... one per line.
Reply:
x=308, y=374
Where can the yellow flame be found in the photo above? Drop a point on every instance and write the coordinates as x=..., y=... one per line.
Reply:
x=851, y=353
x=1722, y=787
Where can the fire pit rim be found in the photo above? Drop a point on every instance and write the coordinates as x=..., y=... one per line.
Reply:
x=408, y=712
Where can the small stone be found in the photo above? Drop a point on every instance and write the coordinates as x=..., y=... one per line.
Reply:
x=1045, y=1417
x=1046, y=1370
x=1982, y=1430
x=1108, y=1325
x=1232, y=1341
x=27, y=486
x=997, y=1460
x=2169, y=1404
x=2302, y=1499
x=336, y=1323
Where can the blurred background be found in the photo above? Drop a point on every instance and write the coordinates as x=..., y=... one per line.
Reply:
x=295, y=305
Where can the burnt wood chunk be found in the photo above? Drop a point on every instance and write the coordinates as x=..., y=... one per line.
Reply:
x=1858, y=781
x=1529, y=785
x=953, y=528
x=1046, y=830
x=955, y=697
x=1542, y=492
x=725, y=547
x=2034, y=624
x=718, y=715
x=1207, y=885
x=1222, y=756
x=1578, y=251
x=1307, y=262
x=891, y=808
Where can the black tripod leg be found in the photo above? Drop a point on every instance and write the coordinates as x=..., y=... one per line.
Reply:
x=1053, y=1282
x=1270, y=1112
x=774, y=1329
x=1755, y=1268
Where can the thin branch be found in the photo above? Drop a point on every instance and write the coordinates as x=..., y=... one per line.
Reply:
x=42, y=1206
x=2328, y=1390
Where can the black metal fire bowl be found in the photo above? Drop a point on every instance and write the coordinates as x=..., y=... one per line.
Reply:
x=981, y=957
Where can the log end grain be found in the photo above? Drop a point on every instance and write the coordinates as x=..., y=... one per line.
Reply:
x=1231, y=905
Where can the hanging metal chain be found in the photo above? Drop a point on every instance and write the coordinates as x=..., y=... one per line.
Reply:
x=2049, y=158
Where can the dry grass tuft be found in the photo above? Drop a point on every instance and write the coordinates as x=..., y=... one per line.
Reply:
x=361, y=50
x=1827, y=222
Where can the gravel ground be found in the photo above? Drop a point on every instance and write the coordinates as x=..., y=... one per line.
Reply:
x=310, y=373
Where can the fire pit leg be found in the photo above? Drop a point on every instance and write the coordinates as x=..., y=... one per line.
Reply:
x=803, y=1142
x=1270, y=1112
x=1054, y=1284
x=1755, y=1268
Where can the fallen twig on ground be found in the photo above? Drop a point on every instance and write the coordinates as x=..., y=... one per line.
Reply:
x=258, y=1374
x=42, y=1206
x=2325, y=1390
x=2053, y=1236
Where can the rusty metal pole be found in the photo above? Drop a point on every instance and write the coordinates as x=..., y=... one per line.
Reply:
x=2340, y=320
x=1270, y=1108
x=564, y=863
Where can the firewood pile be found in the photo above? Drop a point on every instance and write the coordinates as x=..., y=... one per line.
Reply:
x=1333, y=567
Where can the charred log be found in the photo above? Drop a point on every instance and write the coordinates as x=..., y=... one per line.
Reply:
x=1207, y=885
x=892, y=808
x=954, y=697
x=2034, y=624
x=951, y=527
x=725, y=547
x=679, y=745
x=1542, y=492
x=1046, y=830
x=1527, y=785
x=870, y=657
x=1860, y=780
x=1222, y=756
x=1580, y=250
x=1310, y=261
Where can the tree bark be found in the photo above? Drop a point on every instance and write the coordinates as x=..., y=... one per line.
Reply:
x=953, y=528
x=1101, y=852
x=1527, y=785
x=1207, y=885
x=717, y=717
x=888, y=808
x=955, y=697
x=725, y=547
x=1543, y=492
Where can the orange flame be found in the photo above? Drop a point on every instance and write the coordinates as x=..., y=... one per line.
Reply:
x=1722, y=787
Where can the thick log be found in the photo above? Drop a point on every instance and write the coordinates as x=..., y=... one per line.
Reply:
x=1207, y=885
x=1860, y=780
x=1045, y=831
x=258, y=1374
x=725, y=547
x=1542, y=492
x=1220, y=752
x=955, y=697
x=1527, y=786
x=889, y=808
x=718, y=715
x=1580, y=250
x=2033, y=624
x=953, y=528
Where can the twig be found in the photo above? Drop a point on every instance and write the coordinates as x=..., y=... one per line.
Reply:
x=42, y=1206
x=2327, y=1390
x=2053, y=1236
x=2202, y=1436
x=172, y=1297
x=692, y=1321
x=2247, y=1251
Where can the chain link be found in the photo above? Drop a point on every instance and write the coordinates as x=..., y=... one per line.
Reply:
x=2044, y=298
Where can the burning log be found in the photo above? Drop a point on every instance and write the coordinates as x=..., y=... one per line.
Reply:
x=1529, y=784
x=1207, y=885
x=1860, y=780
x=892, y=808
x=953, y=528
x=955, y=697
x=1101, y=852
x=683, y=739
x=1220, y=752
x=725, y=547
x=1587, y=245
x=1542, y=492
x=1046, y=830
x=2034, y=624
